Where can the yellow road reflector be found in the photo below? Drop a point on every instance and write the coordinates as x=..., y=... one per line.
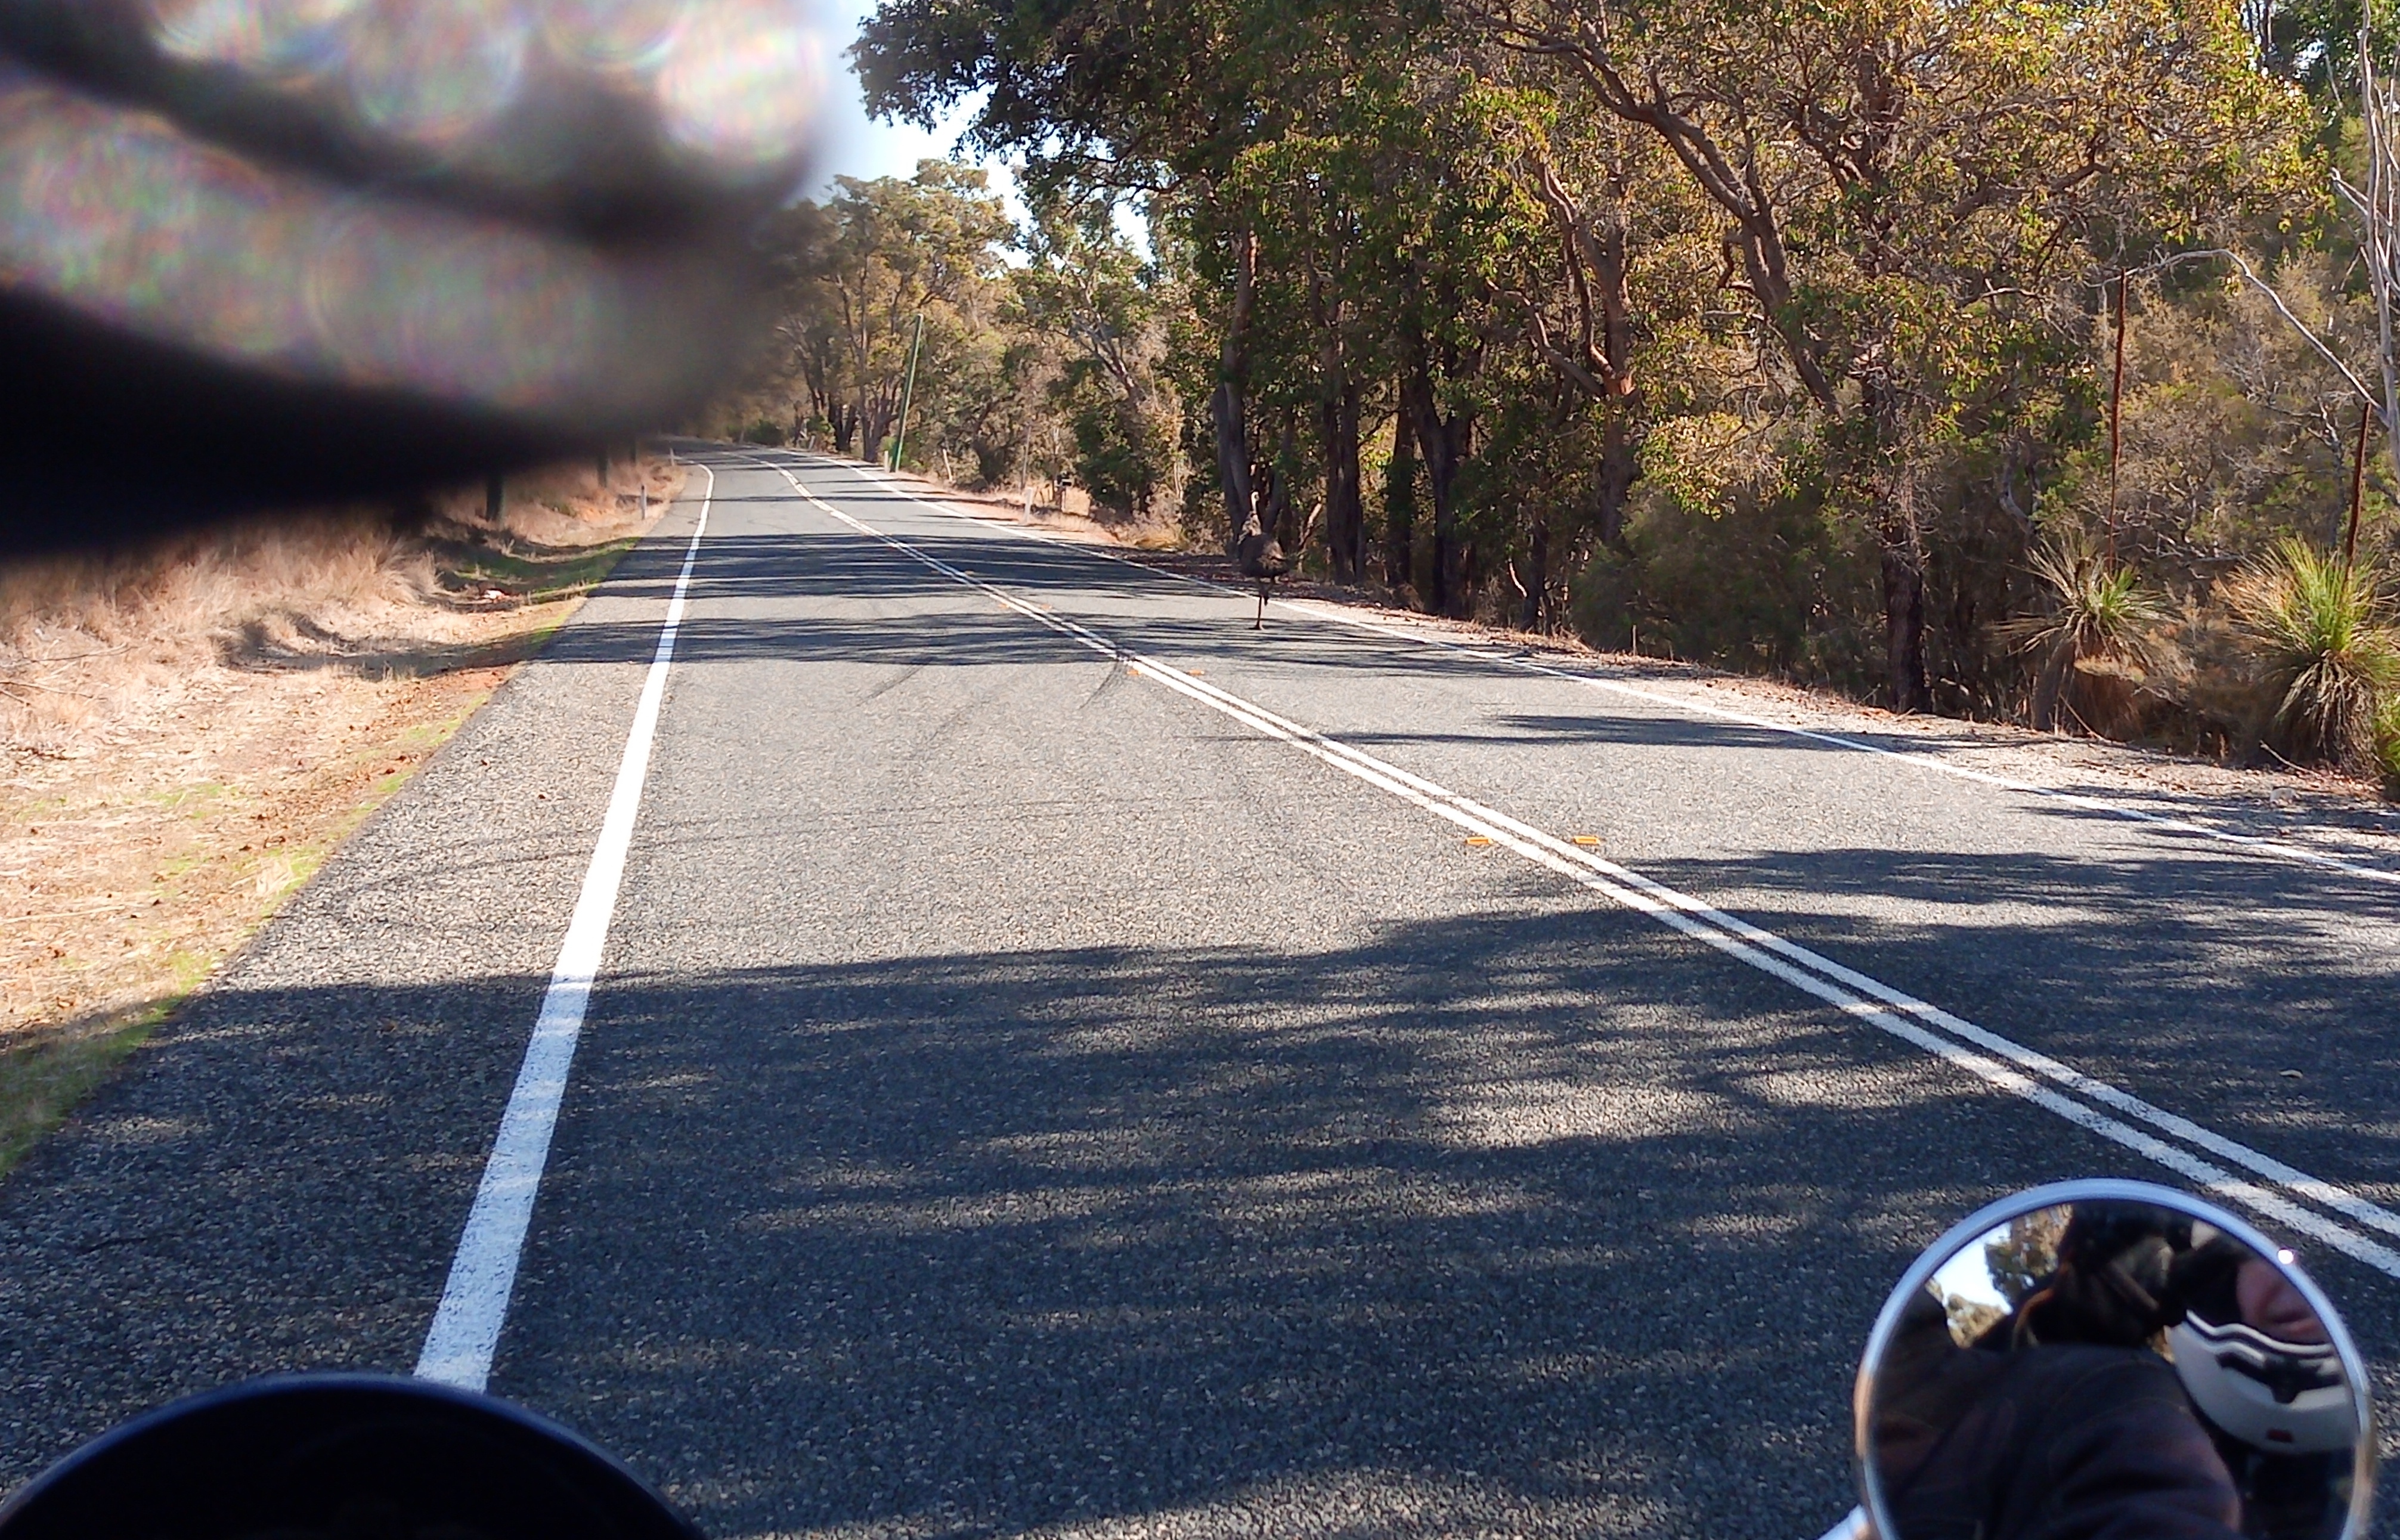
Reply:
x=1591, y=839
x=1479, y=839
x=1196, y=671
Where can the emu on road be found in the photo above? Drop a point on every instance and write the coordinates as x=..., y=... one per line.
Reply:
x=1261, y=557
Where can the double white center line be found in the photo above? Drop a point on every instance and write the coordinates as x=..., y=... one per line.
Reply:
x=2233, y=1170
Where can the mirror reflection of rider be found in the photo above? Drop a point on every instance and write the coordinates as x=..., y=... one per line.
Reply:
x=2064, y=1421
x=2286, y=1493
x=2067, y=1441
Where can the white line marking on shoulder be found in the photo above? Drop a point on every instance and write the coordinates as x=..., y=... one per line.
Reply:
x=1488, y=652
x=466, y=1327
x=1997, y=1060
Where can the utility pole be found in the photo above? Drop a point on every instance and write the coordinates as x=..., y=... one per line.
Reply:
x=2115, y=421
x=908, y=392
x=2357, y=486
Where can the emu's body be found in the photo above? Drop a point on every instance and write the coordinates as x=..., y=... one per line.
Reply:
x=1262, y=558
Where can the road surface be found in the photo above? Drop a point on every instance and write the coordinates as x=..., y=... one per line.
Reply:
x=1060, y=1061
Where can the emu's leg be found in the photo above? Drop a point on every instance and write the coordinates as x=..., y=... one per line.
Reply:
x=1260, y=624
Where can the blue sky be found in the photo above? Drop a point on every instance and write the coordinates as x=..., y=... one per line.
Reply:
x=855, y=145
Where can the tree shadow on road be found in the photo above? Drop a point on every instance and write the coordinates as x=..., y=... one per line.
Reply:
x=1532, y=1222
x=1034, y=1238
x=2196, y=976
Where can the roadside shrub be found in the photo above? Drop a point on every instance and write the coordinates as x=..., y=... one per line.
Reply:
x=766, y=432
x=1769, y=581
x=2387, y=746
x=2204, y=690
x=2094, y=642
x=2320, y=631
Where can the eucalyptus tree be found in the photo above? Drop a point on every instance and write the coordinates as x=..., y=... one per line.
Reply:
x=810, y=353
x=1103, y=306
x=896, y=249
x=1616, y=312
x=1915, y=197
x=1200, y=106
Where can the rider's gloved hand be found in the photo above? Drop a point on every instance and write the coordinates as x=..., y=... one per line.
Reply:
x=252, y=249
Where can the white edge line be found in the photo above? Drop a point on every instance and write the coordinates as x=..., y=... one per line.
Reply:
x=2257, y=844
x=2327, y=1193
x=1751, y=945
x=1490, y=653
x=466, y=1330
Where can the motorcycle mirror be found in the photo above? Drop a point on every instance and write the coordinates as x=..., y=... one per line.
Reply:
x=2112, y=1357
x=331, y=1456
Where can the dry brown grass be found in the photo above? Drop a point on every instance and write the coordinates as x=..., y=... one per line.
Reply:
x=188, y=728
x=1075, y=520
x=92, y=647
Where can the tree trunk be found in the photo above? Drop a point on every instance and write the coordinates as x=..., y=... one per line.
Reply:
x=2049, y=685
x=1233, y=462
x=1537, y=576
x=1273, y=502
x=1904, y=602
x=1618, y=471
x=1227, y=405
x=1277, y=514
x=1445, y=446
x=1345, y=517
x=1400, y=507
x=874, y=426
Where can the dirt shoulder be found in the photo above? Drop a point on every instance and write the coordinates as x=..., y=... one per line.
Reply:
x=2331, y=815
x=187, y=731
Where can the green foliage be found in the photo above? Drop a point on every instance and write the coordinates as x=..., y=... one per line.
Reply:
x=2022, y=1257
x=2102, y=610
x=2100, y=613
x=858, y=272
x=1766, y=577
x=1778, y=330
x=1042, y=371
x=2236, y=431
x=2387, y=746
x=1098, y=307
x=1121, y=456
x=2323, y=638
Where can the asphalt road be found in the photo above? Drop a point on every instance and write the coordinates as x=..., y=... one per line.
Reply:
x=1062, y=1064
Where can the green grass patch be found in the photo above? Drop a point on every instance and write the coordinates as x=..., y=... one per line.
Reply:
x=201, y=795
x=48, y=1076
x=541, y=576
x=433, y=735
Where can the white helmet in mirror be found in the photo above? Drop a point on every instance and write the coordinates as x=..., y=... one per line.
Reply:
x=2285, y=1398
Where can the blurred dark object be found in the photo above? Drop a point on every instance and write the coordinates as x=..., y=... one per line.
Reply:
x=261, y=252
x=341, y=1457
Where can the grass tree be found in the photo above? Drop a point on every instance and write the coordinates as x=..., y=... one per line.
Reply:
x=2321, y=632
x=2101, y=613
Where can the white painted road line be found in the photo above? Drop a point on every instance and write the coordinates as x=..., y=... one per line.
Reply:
x=1990, y=1056
x=466, y=1327
x=2254, y=844
x=1485, y=653
x=2325, y=1194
